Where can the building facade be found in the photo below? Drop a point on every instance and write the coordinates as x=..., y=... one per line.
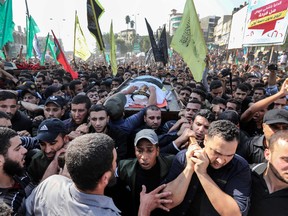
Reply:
x=174, y=21
x=222, y=31
x=207, y=25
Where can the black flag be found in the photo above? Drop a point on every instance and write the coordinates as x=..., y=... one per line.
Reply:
x=94, y=11
x=155, y=49
x=163, y=46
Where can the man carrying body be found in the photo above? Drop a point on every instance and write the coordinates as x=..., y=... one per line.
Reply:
x=214, y=180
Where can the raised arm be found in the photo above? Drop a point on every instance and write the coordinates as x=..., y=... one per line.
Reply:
x=248, y=114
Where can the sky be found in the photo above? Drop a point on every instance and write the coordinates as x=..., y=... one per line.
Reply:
x=59, y=15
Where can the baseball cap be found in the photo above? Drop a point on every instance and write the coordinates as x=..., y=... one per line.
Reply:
x=29, y=91
x=146, y=134
x=57, y=100
x=115, y=105
x=49, y=129
x=275, y=116
x=28, y=85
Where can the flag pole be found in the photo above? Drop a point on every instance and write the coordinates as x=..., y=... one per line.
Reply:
x=74, y=36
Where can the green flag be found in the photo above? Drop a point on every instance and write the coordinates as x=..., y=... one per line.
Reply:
x=51, y=46
x=6, y=23
x=113, y=51
x=189, y=42
x=45, y=49
x=30, y=34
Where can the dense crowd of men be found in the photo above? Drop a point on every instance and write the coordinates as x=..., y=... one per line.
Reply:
x=70, y=147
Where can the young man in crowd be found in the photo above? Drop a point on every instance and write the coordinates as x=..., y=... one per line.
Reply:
x=98, y=123
x=80, y=106
x=52, y=136
x=199, y=124
x=8, y=104
x=149, y=168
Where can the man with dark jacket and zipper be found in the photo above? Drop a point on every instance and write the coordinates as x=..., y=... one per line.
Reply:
x=148, y=168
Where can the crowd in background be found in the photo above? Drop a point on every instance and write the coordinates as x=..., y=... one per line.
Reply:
x=242, y=102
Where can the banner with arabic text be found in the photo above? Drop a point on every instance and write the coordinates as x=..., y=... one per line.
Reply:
x=266, y=22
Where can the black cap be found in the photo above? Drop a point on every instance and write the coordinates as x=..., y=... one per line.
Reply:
x=49, y=129
x=276, y=116
x=28, y=85
x=29, y=91
x=57, y=100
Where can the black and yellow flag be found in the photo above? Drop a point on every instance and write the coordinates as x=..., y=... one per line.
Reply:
x=94, y=12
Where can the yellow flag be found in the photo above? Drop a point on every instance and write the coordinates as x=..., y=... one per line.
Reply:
x=189, y=42
x=113, y=51
x=80, y=45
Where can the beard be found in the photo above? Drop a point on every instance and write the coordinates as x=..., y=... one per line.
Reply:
x=112, y=181
x=277, y=174
x=12, y=168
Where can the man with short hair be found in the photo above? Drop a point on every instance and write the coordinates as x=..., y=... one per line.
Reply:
x=152, y=117
x=91, y=163
x=149, y=168
x=54, y=107
x=76, y=87
x=258, y=94
x=270, y=180
x=218, y=105
x=15, y=186
x=52, y=139
x=40, y=78
x=8, y=104
x=184, y=95
x=98, y=123
x=216, y=90
x=233, y=104
x=80, y=106
x=199, y=124
x=253, y=149
x=214, y=180
x=192, y=107
x=93, y=95
x=241, y=92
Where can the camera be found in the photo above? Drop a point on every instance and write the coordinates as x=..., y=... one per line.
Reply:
x=272, y=67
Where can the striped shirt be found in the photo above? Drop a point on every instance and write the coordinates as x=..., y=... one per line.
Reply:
x=16, y=195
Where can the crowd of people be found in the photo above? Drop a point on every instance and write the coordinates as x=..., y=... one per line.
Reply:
x=68, y=148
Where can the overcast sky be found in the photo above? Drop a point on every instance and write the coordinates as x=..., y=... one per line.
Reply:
x=59, y=14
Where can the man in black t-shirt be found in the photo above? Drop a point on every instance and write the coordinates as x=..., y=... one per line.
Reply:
x=270, y=180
